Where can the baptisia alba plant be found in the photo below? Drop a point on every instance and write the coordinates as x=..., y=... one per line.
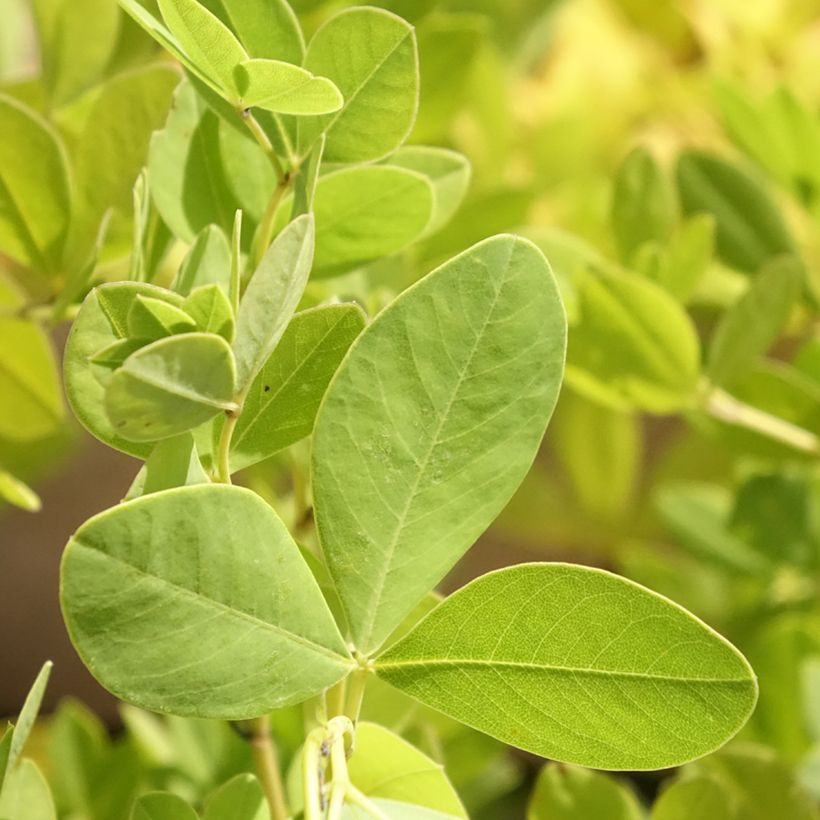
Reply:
x=282, y=164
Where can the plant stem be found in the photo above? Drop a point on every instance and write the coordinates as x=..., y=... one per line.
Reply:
x=336, y=698
x=262, y=138
x=264, y=231
x=341, y=781
x=267, y=764
x=224, y=452
x=357, y=681
x=727, y=408
x=311, y=781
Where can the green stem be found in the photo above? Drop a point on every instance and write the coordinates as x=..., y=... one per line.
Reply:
x=727, y=408
x=264, y=232
x=341, y=781
x=223, y=458
x=311, y=780
x=267, y=764
x=355, y=694
x=336, y=698
x=262, y=138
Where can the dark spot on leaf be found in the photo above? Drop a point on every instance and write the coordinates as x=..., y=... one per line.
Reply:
x=267, y=387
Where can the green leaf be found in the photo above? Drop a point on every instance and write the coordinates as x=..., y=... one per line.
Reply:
x=18, y=493
x=28, y=715
x=372, y=58
x=241, y=798
x=431, y=423
x=35, y=196
x=697, y=798
x=26, y=795
x=234, y=579
x=368, y=212
x=571, y=793
x=208, y=42
x=151, y=319
x=162, y=806
x=32, y=405
x=633, y=345
x=753, y=323
x=172, y=463
x=170, y=386
x=283, y=399
x=209, y=307
x=577, y=665
x=643, y=204
x=395, y=811
x=266, y=28
x=207, y=262
x=750, y=230
x=5, y=748
x=447, y=171
x=285, y=88
x=271, y=298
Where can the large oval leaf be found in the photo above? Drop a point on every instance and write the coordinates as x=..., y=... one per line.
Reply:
x=577, y=665
x=196, y=601
x=431, y=423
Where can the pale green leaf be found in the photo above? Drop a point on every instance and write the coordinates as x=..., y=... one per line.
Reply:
x=207, y=41
x=372, y=58
x=285, y=88
x=151, y=319
x=577, y=665
x=750, y=230
x=233, y=578
x=172, y=463
x=5, y=748
x=697, y=798
x=207, y=262
x=162, y=806
x=209, y=307
x=448, y=172
x=431, y=423
x=26, y=795
x=643, y=204
x=283, y=399
x=18, y=493
x=753, y=323
x=35, y=197
x=633, y=345
x=170, y=386
x=394, y=810
x=572, y=793
x=306, y=179
x=28, y=715
x=241, y=798
x=271, y=298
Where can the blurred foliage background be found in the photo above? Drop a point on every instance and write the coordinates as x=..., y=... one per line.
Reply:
x=670, y=150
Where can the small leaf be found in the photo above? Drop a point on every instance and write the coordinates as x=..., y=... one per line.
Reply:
x=282, y=402
x=372, y=58
x=207, y=262
x=430, y=425
x=696, y=798
x=571, y=793
x=234, y=579
x=172, y=463
x=285, y=88
x=18, y=493
x=207, y=41
x=151, y=319
x=590, y=668
x=209, y=307
x=170, y=386
x=753, y=323
x=162, y=806
x=241, y=798
x=28, y=715
x=115, y=354
x=750, y=230
x=643, y=204
x=271, y=298
x=26, y=795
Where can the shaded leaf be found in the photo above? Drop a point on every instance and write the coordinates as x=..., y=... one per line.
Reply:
x=207, y=262
x=162, y=806
x=209, y=307
x=285, y=88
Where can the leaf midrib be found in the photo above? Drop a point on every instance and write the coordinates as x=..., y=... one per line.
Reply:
x=238, y=613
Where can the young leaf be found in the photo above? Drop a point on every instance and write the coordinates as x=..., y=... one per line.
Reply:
x=394, y=810
x=207, y=41
x=282, y=402
x=151, y=319
x=365, y=213
x=162, y=806
x=285, y=89
x=28, y=716
x=209, y=307
x=750, y=230
x=577, y=665
x=172, y=463
x=431, y=423
x=241, y=798
x=372, y=58
x=18, y=493
x=207, y=262
x=571, y=793
x=234, y=579
x=633, y=345
x=447, y=171
x=752, y=324
x=271, y=298
x=35, y=198
x=695, y=798
x=643, y=204
x=171, y=386
x=26, y=795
